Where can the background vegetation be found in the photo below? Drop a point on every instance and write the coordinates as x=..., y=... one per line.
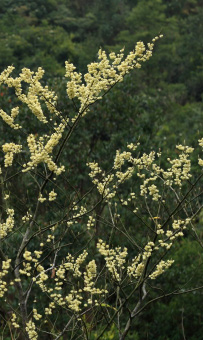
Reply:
x=161, y=105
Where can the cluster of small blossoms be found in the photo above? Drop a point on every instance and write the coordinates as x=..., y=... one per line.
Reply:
x=148, y=250
x=147, y=170
x=179, y=170
x=27, y=269
x=36, y=315
x=200, y=161
x=144, y=163
x=74, y=265
x=102, y=183
x=200, y=142
x=168, y=236
x=28, y=266
x=40, y=153
x=130, y=199
x=5, y=74
x=31, y=330
x=136, y=268
x=178, y=227
x=95, y=169
x=27, y=255
x=41, y=198
x=27, y=217
x=52, y=195
x=7, y=226
x=10, y=149
x=115, y=258
x=104, y=73
x=13, y=321
x=10, y=119
x=124, y=176
x=73, y=300
x=160, y=268
x=120, y=158
x=91, y=222
x=48, y=310
x=4, y=271
x=89, y=276
x=132, y=146
x=154, y=192
x=89, y=282
x=80, y=213
x=49, y=97
x=181, y=166
x=35, y=93
x=41, y=278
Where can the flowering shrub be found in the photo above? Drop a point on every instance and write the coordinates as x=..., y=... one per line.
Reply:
x=83, y=256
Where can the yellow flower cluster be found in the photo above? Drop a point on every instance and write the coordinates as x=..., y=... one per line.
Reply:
x=27, y=255
x=41, y=198
x=91, y=222
x=74, y=301
x=95, y=169
x=27, y=217
x=52, y=195
x=36, y=315
x=27, y=264
x=147, y=170
x=120, y=158
x=10, y=149
x=160, y=268
x=102, y=183
x=31, y=330
x=10, y=119
x=182, y=165
x=74, y=265
x=41, y=153
x=6, y=197
x=148, y=250
x=27, y=269
x=115, y=258
x=8, y=225
x=3, y=284
x=136, y=269
x=89, y=276
x=13, y=321
x=42, y=277
x=35, y=93
x=104, y=74
x=200, y=161
x=89, y=282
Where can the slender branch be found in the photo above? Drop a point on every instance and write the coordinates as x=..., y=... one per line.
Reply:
x=65, y=328
x=129, y=322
